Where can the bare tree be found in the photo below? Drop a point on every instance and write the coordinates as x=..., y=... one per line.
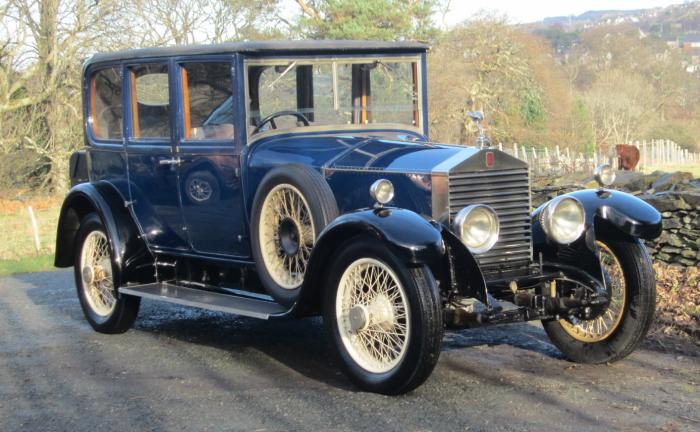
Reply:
x=44, y=42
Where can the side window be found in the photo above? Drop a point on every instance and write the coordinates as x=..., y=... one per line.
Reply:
x=106, y=112
x=150, y=101
x=207, y=96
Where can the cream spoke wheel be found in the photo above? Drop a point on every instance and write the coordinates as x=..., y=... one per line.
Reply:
x=372, y=315
x=96, y=271
x=604, y=325
x=287, y=234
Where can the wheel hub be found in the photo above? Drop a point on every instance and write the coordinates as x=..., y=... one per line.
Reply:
x=88, y=275
x=359, y=318
x=288, y=234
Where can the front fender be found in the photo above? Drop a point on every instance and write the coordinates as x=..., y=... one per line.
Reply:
x=131, y=256
x=408, y=235
x=627, y=213
x=606, y=210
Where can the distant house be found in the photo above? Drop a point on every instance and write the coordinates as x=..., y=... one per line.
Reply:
x=689, y=42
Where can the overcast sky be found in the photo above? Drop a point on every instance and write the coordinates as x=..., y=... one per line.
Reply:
x=522, y=11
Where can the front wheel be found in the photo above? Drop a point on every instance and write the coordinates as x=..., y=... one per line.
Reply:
x=383, y=317
x=617, y=330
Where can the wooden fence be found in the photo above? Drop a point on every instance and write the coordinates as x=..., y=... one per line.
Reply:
x=653, y=154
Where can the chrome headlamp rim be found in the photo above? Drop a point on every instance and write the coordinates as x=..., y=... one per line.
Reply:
x=604, y=175
x=376, y=188
x=549, y=213
x=462, y=217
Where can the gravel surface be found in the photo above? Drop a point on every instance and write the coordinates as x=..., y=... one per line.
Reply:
x=193, y=370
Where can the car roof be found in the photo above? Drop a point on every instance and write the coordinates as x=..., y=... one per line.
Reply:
x=297, y=47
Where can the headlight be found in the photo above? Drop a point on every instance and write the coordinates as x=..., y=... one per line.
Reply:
x=604, y=175
x=477, y=225
x=382, y=191
x=564, y=219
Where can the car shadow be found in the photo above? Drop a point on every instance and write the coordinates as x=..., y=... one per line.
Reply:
x=300, y=345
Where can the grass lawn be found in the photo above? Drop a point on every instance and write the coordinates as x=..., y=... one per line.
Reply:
x=27, y=265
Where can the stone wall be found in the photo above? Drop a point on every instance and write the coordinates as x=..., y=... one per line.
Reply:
x=675, y=195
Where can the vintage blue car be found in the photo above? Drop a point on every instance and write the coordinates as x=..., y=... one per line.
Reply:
x=287, y=179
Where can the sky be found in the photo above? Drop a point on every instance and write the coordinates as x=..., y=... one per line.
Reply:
x=523, y=11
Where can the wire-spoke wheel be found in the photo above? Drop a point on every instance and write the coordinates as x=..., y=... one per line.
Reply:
x=97, y=280
x=372, y=315
x=605, y=324
x=292, y=205
x=618, y=329
x=287, y=235
x=96, y=272
x=384, y=317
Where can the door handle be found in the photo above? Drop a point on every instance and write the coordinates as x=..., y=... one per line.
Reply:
x=173, y=161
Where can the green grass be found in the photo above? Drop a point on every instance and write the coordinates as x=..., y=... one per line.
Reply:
x=27, y=265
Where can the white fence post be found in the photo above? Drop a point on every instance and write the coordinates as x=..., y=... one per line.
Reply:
x=35, y=229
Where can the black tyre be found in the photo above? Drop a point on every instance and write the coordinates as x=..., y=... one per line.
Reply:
x=616, y=332
x=202, y=188
x=384, y=318
x=291, y=207
x=97, y=279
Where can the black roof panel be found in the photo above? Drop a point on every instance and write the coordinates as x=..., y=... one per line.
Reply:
x=298, y=47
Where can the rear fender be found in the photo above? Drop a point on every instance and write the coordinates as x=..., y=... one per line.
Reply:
x=131, y=256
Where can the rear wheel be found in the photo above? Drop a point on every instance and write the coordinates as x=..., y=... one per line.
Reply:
x=616, y=331
x=97, y=280
x=384, y=318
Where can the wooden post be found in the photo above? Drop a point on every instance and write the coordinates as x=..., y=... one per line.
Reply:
x=35, y=229
x=515, y=150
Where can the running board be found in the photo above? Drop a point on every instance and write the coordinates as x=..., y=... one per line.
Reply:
x=235, y=304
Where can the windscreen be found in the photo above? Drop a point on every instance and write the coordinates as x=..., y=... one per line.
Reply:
x=296, y=93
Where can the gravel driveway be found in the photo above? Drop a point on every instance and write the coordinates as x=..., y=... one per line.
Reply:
x=185, y=369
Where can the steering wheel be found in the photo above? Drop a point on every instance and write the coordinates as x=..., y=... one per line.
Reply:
x=271, y=119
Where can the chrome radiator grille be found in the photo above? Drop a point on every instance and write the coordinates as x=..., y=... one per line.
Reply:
x=508, y=192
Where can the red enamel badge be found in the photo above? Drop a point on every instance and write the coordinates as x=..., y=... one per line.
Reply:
x=489, y=159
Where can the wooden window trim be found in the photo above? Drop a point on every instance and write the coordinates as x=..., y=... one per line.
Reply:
x=187, y=117
x=135, y=128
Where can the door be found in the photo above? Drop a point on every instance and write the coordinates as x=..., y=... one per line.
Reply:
x=152, y=165
x=210, y=173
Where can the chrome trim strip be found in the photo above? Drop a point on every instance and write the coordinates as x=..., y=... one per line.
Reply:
x=445, y=166
x=440, y=197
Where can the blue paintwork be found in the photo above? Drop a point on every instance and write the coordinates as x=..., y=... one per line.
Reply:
x=158, y=197
x=352, y=161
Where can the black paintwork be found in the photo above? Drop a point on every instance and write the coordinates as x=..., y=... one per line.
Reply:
x=132, y=259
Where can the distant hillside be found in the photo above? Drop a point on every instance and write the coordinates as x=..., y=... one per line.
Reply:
x=593, y=17
x=669, y=23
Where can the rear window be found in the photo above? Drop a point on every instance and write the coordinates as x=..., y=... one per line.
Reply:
x=106, y=113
